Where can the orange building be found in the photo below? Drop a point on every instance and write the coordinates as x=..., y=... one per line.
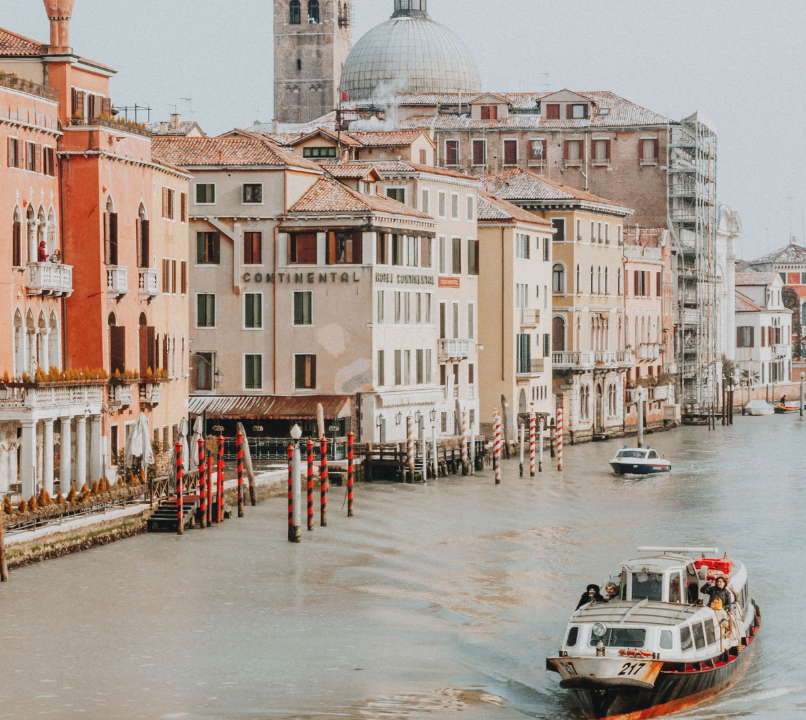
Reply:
x=124, y=237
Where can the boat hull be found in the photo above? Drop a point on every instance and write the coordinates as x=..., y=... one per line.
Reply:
x=672, y=692
x=632, y=468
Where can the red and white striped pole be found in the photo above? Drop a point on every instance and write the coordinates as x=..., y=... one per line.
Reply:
x=559, y=438
x=323, y=481
x=180, y=508
x=209, y=490
x=202, y=487
x=410, y=446
x=497, y=447
x=531, y=444
x=465, y=465
x=310, y=484
x=240, y=473
x=220, y=509
x=350, y=473
x=291, y=537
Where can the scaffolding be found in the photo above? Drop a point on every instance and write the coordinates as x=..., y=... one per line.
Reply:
x=692, y=217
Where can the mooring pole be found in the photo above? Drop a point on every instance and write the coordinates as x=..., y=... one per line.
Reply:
x=521, y=443
x=309, y=486
x=220, y=485
x=296, y=487
x=540, y=447
x=497, y=448
x=465, y=468
x=291, y=537
x=350, y=473
x=323, y=480
x=180, y=530
x=641, y=417
x=209, y=489
x=802, y=378
x=240, y=473
x=559, y=438
x=531, y=444
x=435, y=459
x=473, y=449
x=202, y=486
x=3, y=563
x=410, y=446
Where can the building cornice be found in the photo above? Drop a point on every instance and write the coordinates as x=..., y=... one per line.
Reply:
x=103, y=155
x=29, y=126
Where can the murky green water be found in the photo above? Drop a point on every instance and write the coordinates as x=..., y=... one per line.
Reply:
x=433, y=602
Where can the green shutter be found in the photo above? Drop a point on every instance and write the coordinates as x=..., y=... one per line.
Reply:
x=250, y=310
x=200, y=248
x=211, y=310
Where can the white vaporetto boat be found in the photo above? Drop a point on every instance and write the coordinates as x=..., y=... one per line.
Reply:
x=658, y=647
x=639, y=461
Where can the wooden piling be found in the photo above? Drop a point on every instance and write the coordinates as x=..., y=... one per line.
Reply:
x=3, y=563
x=250, y=472
x=239, y=442
x=180, y=510
x=350, y=473
x=323, y=481
x=552, y=437
x=209, y=489
x=497, y=448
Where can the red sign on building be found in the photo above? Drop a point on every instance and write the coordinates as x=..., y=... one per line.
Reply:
x=449, y=282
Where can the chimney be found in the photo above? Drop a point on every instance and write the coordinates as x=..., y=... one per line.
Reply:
x=176, y=120
x=59, y=13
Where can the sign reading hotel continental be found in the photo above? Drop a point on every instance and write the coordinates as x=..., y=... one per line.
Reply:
x=295, y=278
x=404, y=279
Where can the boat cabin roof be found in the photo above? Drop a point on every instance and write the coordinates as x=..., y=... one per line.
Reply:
x=658, y=565
x=638, y=453
x=631, y=613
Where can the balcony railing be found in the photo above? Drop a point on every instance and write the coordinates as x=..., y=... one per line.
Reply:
x=47, y=278
x=780, y=349
x=454, y=348
x=149, y=283
x=12, y=81
x=648, y=351
x=117, y=280
x=151, y=393
x=55, y=395
x=120, y=395
x=565, y=360
x=530, y=317
x=533, y=367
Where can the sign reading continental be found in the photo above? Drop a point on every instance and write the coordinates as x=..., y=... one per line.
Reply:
x=295, y=278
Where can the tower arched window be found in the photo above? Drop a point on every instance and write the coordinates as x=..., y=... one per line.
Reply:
x=16, y=239
x=558, y=279
x=313, y=11
x=294, y=13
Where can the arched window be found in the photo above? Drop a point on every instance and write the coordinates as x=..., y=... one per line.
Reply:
x=110, y=233
x=19, y=346
x=599, y=280
x=41, y=235
x=607, y=281
x=51, y=238
x=142, y=233
x=584, y=402
x=54, y=355
x=558, y=279
x=16, y=239
x=313, y=11
x=558, y=334
x=620, y=334
x=592, y=335
x=294, y=13
x=31, y=221
x=578, y=345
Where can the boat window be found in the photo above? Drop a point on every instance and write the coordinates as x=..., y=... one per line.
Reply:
x=665, y=639
x=573, y=636
x=685, y=639
x=647, y=586
x=653, y=454
x=632, y=454
x=622, y=638
x=710, y=633
x=699, y=636
x=674, y=587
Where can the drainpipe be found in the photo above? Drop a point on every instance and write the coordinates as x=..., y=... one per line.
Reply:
x=503, y=290
x=64, y=261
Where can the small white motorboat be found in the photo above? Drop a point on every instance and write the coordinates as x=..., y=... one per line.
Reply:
x=758, y=407
x=639, y=461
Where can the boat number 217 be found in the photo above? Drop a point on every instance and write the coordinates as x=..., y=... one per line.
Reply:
x=632, y=668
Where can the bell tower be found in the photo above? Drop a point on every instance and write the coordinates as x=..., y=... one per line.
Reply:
x=312, y=39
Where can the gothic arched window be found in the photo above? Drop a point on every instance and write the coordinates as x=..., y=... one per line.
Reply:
x=294, y=13
x=313, y=11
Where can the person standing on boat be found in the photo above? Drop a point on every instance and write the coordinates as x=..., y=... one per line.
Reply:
x=718, y=590
x=590, y=595
x=612, y=592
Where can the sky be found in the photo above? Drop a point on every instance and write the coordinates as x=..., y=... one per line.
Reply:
x=740, y=63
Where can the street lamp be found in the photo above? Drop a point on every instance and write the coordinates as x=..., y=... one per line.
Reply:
x=296, y=433
x=296, y=487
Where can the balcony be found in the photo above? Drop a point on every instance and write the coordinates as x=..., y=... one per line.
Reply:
x=691, y=317
x=454, y=349
x=117, y=280
x=648, y=351
x=150, y=394
x=46, y=278
x=533, y=367
x=52, y=396
x=529, y=318
x=572, y=360
x=149, y=283
x=780, y=350
x=120, y=396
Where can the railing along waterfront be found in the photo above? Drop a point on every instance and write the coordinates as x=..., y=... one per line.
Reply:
x=277, y=448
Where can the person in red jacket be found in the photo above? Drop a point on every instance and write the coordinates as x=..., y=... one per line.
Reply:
x=42, y=253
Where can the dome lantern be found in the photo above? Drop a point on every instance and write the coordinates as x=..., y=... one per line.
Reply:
x=411, y=8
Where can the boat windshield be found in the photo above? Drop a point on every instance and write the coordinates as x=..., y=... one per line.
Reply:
x=647, y=586
x=622, y=638
x=632, y=454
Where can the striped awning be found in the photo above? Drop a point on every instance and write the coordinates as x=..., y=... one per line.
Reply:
x=269, y=407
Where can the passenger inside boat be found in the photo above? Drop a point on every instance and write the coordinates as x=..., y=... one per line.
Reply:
x=611, y=592
x=718, y=590
x=591, y=594
x=639, y=454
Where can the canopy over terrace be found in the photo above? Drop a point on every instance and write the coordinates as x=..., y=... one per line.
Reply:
x=275, y=414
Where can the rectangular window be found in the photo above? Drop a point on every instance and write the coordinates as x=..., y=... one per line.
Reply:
x=398, y=194
x=423, y=157
x=397, y=249
x=601, y=150
x=253, y=372
x=420, y=377
x=425, y=252
x=425, y=202
x=302, y=249
x=454, y=206
x=455, y=318
x=443, y=256
x=303, y=308
x=538, y=150
x=253, y=311
x=411, y=252
x=443, y=322
x=546, y=250
x=205, y=193
x=577, y=112
x=208, y=246
x=398, y=367
x=599, y=233
x=381, y=253
x=111, y=238
x=168, y=196
x=428, y=366
x=344, y=248
x=472, y=257
x=471, y=208
x=443, y=207
x=649, y=149
x=479, y=152
x=451, y=152
x=559, y=226
x=456, y=256
x=253, y=248
x=510, y=152
x=380, y=304
x=252, y=193
x=204, y=365
x=319, y=152
x=745, y=337
x=398, y=306
x=471, y=320
x=418, y=308
x=14, y=153
x=471, y=375
x=658, y=284
x=523, y=353
x=521, y=246
x=305, y=372
x=407, y=367
x=489, y=112
x=573, y=151
x=406, y=308
x=183, y=207
x=553, y=111
x=428, y=308
x=205, y=310
x=381, y=369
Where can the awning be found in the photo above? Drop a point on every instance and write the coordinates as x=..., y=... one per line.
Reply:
x=269, y=407
x=411, y=398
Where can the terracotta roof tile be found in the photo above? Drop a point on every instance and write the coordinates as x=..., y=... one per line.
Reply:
x=14, y=45
x=756, y=279
x=385, y=138
x=351, y=171
x=491, y=208
x=230, y=151
x=790, y=255
x=328, y=195
x=745, y=304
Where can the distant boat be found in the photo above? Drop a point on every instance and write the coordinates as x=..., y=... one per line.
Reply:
x=788, y=407
x=758, y=407
x=639, y=461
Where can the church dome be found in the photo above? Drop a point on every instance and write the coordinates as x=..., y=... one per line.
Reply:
x=409, y=53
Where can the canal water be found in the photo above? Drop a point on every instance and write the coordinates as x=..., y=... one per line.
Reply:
x=433, y=602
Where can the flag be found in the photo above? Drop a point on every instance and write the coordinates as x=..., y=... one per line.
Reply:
x=343, y=96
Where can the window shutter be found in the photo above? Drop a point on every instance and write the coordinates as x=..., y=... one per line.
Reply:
x=331, y=248
x=16, y=252
x=173, y=276
x=183, y=207
x=739, y=337
x=145, y=242
x=569, y=112
x=106, y=107
x=565, y=156
x=313, y=370
x=113, y=238
x=250, y=310
x=107, y=239
x=184, y=287
x=358, y=249
x=216, y=249
x=117, y=349
x=164, y=352
x=37, y=150
x=151, y=344
x=656, y=143
x=476, y=256
x=659, y=282
x=607, y=144
x=143, y=344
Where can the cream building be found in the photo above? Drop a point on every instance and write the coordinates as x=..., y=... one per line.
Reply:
x=515, y=251
x=590, y=358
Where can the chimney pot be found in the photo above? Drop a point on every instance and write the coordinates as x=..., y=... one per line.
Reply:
x=59, y=13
